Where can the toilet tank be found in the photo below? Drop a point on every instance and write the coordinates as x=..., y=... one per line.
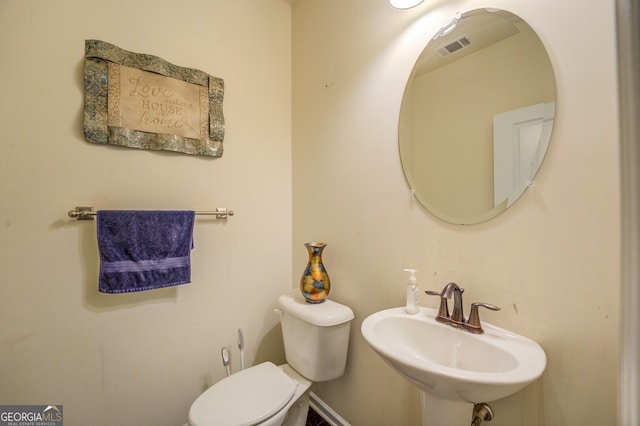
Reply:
x=316, y=336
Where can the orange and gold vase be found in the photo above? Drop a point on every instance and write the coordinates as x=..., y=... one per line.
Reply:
x=315, y=283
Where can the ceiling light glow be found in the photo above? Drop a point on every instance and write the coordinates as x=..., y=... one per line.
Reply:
x=405, y=4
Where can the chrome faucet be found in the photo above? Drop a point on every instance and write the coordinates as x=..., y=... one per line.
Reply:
x=457, y=319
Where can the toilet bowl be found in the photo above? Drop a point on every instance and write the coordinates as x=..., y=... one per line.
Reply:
x=315, y=337
x=264, y=395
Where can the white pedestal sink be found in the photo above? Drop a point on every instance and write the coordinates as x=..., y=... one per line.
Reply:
x=453, y=368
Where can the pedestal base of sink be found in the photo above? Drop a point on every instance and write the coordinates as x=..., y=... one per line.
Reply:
x=442, y=412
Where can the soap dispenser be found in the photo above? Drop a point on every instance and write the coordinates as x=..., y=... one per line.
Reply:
x=413, y=304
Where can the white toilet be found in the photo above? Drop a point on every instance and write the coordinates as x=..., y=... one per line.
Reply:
x=316, y=340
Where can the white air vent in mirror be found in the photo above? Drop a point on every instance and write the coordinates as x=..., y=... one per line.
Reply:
x=454, y=46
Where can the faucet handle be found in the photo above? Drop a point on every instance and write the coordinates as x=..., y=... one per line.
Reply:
x=474, y=318
x=443, y=312
x=486, y=305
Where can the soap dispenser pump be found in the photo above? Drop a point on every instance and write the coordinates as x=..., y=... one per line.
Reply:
x=413, y=304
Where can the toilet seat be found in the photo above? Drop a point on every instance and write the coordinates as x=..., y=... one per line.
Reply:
x=245, y=398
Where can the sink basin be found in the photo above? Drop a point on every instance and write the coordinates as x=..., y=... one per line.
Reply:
x=452, y=364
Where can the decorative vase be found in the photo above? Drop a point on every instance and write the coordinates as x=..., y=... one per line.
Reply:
x=315, y=283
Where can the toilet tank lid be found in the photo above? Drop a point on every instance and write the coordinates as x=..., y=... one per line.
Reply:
x=325, y=314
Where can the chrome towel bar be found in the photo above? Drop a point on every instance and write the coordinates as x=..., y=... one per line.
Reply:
x=87, y=213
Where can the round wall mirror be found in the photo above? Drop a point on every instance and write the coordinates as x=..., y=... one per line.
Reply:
x=476, y=116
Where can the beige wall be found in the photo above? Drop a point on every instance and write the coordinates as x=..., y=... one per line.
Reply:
x=138, y=359
x=551, y=261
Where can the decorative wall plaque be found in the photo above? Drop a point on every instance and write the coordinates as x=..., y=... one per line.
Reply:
x=142, y=101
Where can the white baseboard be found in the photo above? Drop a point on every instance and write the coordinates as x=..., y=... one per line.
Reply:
x=320, y=407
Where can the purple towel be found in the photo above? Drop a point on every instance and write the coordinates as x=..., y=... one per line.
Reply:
x=144, y=249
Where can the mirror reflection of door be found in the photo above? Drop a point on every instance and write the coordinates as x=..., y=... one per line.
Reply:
x=520, y=140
